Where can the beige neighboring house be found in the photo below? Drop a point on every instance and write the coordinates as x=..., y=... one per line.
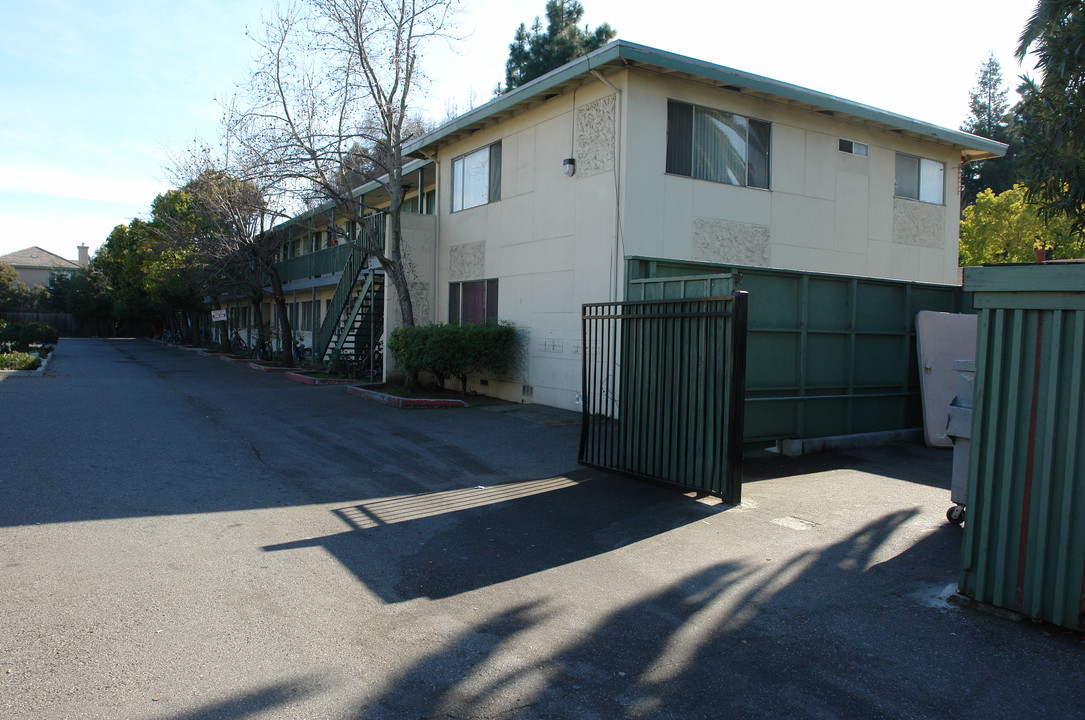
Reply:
x=35, y=266
x=531, y=205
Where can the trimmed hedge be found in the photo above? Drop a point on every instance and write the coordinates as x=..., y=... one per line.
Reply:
x=449, y=351
x=20, y=336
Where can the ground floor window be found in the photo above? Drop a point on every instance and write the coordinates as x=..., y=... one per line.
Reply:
x=472, y=302
x=305, y=319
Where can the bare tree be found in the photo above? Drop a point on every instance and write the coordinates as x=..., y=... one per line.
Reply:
x=329, y=105
x=234, y=216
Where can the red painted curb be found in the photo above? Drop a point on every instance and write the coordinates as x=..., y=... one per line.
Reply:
x=401, y=402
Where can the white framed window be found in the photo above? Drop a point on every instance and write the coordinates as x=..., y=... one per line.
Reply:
x=853, y=148
x=920, y=179
x=476, y=178
x=719, y=146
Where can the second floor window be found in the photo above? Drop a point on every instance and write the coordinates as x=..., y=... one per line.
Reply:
x=920, y=179
x=476, y=178
x=714, y=145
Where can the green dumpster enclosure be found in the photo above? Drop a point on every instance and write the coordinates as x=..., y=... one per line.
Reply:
x=1024, y=541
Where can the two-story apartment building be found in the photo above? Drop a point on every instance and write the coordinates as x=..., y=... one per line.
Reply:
x=530, y=205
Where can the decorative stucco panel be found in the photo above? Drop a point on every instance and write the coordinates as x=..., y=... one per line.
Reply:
x=467, y=261
x=594, y=147
x=419, y=302
x=919, y=223
x=726, y=242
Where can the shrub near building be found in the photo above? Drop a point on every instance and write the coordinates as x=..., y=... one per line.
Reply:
x=448, y=351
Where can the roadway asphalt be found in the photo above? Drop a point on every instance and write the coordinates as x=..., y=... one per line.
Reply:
x=184, y=538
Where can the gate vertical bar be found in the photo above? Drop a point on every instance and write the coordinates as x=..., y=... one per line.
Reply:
x=737, y=401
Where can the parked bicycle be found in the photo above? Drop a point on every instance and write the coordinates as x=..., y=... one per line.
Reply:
x=301, y=352
x=238, y=345
x=262, y=351
x=370, y=364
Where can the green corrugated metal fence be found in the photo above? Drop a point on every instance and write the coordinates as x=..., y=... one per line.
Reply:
x=827, y=354
x=1024, y=544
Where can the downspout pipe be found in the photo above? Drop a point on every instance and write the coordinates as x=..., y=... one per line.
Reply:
x=614, y=291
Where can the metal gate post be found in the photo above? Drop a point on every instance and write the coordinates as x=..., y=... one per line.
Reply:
x=736, y=410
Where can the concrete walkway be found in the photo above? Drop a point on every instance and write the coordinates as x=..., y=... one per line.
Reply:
x=184, y=538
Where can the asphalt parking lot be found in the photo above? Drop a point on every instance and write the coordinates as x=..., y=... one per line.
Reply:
x=183, y=538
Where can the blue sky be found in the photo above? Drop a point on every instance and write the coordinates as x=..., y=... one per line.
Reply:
x=97, y=95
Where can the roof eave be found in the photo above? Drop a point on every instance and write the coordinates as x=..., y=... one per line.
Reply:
x=972, y=147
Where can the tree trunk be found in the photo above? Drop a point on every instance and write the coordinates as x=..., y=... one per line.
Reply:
x=193, y=326
x=258, y=312
x=285, y=331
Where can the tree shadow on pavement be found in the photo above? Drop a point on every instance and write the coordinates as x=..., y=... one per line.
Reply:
x=256, y=702
x=910, y=462
x=827, y=633
x=437, y=545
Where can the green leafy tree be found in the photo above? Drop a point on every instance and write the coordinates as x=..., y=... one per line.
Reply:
x=122, y=260
x=14, y=294
x=179, y=266
x=1053, y=110
x=85, y=295
x=1005, y=228
x=990, y=117
x=536, y=52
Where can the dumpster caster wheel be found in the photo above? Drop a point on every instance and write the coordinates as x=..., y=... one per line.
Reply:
x=955, y=514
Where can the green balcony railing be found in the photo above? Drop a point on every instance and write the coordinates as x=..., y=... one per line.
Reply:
x=315, y=264
x=328, y=260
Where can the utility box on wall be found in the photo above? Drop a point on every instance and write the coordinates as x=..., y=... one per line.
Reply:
x=1024, y=542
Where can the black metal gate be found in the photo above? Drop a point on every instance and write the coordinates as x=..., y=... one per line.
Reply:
x=663, y=390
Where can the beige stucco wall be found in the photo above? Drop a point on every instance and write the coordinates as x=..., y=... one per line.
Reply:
x=556, y=242
x=549, y=240
x=419, y=243
x=826, y=211
x=33, y=276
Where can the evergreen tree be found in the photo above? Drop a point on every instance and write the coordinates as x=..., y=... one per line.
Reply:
x=536, y=52
x=1053, y=111
x=990, y=118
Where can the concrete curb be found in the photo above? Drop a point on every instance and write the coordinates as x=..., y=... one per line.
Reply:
x=5, y=374
x=309, y=380
x=269, y=368
x=402, y=402
x=796, y=448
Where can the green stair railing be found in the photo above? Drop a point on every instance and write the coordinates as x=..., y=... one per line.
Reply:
x=366, y=299
x=356, y=262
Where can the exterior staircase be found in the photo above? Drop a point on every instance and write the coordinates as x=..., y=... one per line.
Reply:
x=355, y=264
x=358, y=336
